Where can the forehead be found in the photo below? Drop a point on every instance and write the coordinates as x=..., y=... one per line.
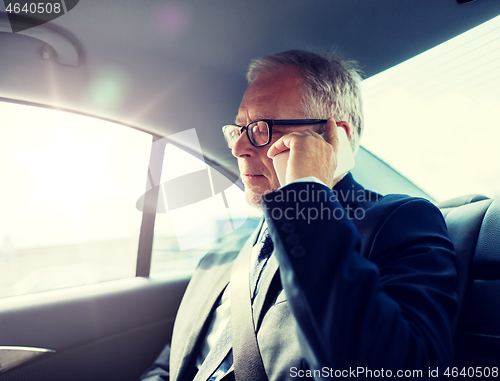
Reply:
x=273, y=95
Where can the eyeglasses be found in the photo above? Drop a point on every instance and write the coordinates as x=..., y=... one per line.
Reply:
x=259, y=132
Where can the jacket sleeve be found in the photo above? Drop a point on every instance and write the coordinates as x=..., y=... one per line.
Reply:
x=159, y=371
x=389, y=309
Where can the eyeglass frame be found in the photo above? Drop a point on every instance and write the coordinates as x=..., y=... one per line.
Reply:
x=270, y=123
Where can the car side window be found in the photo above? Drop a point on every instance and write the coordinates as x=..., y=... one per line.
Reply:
x=69, y=190
x=197, y=208
x=73, y=190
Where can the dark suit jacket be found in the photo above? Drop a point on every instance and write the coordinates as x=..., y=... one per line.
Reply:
x=364, y=281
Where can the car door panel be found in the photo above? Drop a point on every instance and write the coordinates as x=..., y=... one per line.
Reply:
x=105, y=331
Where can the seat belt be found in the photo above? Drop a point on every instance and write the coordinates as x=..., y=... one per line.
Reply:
x=248, y=363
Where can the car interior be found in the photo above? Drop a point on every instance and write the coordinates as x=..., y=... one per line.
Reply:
x=169, y=75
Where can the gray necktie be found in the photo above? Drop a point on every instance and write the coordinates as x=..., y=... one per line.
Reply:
x=265, y=248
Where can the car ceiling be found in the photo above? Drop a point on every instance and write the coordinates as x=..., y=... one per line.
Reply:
x=181, y=64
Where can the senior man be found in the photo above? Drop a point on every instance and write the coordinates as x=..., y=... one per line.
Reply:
x=366, y=288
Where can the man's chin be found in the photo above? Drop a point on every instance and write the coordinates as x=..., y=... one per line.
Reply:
x=255, y=198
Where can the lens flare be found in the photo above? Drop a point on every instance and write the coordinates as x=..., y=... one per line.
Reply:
x=172, y=20
x=109, y=88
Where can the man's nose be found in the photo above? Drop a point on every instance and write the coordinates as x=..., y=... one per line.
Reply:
x=243, y=147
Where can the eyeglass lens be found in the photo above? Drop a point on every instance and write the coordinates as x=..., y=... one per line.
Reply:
x=258, y=133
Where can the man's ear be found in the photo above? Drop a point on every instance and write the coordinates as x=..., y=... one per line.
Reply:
x=346, y=127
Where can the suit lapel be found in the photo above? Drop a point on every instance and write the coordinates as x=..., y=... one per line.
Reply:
x=210, y=299
x=188, y=357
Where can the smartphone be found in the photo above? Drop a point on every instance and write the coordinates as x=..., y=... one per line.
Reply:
x=345, y=159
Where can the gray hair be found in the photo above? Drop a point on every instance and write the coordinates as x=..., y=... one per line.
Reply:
x=331, y=86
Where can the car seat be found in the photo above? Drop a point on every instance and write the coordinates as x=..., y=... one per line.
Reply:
x=474, y=226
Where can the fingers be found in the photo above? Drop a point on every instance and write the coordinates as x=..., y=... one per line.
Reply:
x=279, y=146
x=284, y=143
x=331, y=135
